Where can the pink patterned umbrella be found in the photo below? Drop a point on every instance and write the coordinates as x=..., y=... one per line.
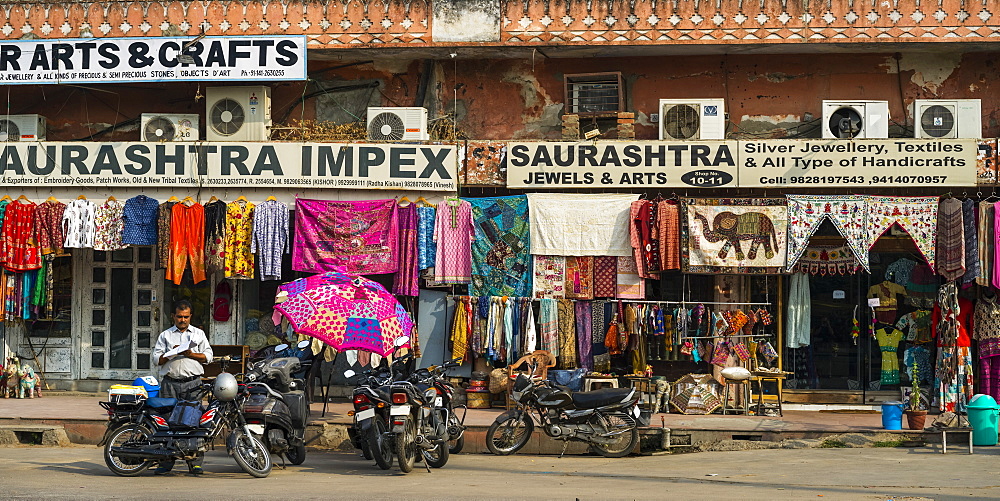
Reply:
x=345, y=311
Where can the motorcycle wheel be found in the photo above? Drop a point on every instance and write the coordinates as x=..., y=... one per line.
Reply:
x=406, y=452
x=366, y=450
x=251, y=455
x=118, y=438
x=509, y=433
x=438, y=456
x=625, y=441
x=381, y=444
x=455, y=445
x=296, y=454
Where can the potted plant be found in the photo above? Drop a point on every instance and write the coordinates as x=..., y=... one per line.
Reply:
x=916, y=415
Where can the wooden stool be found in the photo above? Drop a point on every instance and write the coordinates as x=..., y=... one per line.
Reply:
x=761, y=406
x=590, y=382
x=744, y=389
x=944, y=438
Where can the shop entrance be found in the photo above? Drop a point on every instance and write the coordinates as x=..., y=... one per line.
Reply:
x=120, y=312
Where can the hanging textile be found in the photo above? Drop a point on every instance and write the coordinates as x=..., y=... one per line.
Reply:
x=580, y=224
x=108, y=226
x=734, y=235
x=139, y=217
x=986, y=330
x=605, y=276
x=550, y=277
x=669, y=234
x=899, y=271
x=454, y=233
x=971, y=241
x=21, y=252
x=888, y=343
x=187, y=239
x=996, y=248
x=3, y=249
x=641, y=239
x=950, y=239
x=953, y=318
x=584, y=334
x=987, y=243
x=270, y=237
x=807, y=212
x=48, y=219
x=406, y=281
x=579, y=277
x=827, y=260
x=356, y=237
x=799, y=327
x=598, y=322
x=239, y=234
x=78, y=224
x=916, y=215
x=426, y=249
x=917, y=326
x=163, y=227
x=215, y=237
x=629, y=284
x=548, y=326
x=567, y=334
x=501, y=263
x=460, y=328
x=922, y=287
x=530, y=333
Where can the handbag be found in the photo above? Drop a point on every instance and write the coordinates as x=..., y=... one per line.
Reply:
x=741, y=351
x=721, y=353
x=186, y=413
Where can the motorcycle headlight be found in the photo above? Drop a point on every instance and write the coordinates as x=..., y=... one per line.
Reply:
x=430, y=394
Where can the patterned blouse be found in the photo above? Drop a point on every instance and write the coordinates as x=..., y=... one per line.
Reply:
x=78, y=224
x=108, y=225
x=48, y=218
x=140, y=221
x=426, y=248
x=270, y=237
x=239, y=228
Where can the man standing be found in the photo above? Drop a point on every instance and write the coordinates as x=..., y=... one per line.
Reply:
x=181, y=367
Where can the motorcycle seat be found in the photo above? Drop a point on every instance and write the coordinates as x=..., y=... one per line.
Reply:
x=600, y=398
x=161, y=404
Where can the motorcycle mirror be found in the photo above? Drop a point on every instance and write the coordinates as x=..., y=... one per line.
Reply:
x=400, y=341
x=280, y=347
x=349, y=373
x=303, y=344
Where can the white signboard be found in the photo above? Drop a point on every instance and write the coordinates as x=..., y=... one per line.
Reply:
x=107, y=60
x=232, y=165
x=810, y=163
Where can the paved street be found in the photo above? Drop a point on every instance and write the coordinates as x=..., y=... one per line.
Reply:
x=79, y=472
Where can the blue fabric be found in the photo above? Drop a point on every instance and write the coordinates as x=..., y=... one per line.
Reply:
x=426, y=248
x=501, y=261
x=571, y=379
x=140, y=221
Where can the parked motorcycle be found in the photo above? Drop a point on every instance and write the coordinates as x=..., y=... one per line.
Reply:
x=371, y=399
x=446, y=390
x=139, y=413
x=136, y=447
x=605, y=419
x=419, y=422
x=277, y=409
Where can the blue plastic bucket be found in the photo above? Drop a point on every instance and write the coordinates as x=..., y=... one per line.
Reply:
x=892, y=415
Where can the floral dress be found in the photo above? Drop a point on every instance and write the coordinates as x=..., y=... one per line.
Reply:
x=108, y=226
x=239, y=233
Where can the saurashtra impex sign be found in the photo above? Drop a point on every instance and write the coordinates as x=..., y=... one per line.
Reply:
x=254, y=165
x=105, y=60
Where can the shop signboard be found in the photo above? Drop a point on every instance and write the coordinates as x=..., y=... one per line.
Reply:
x=832, y=163
x=159, y=59
x=621, y=164
x=232, y=165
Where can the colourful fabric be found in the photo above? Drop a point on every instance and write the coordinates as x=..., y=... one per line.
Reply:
x=669, y=234
x=354, y=237
x=21, y=252
x=426, y=248
x=567, y=334
x=564, y=224
x=960, y=332
x=550, y=277
x=917, y=326
x=629, y=284
x=454, y=234
x=734, y=236
x=187, y=237
x=996, y=248
x=548, y=326
x=140, y=221
x=501, y=262
x=922, y=357
x=48, y=218
x=239, y=234
x=950, y=239
x=460, y=327
x=215, y=237
x=888, y=343
x=827, y=260
x=163, y=227
x=605, y=276
x=108, y=226
x=807, y=212
x=407, y=278
x=916, y=215
x=954, y=390
x=971, y=241
x=887, y=293
x=583, y=334
x=987, y=243
x=3, y=251
x=579, y=277
x=270, y=237
x=78, y=224
x=899, y=271
x=641, y=239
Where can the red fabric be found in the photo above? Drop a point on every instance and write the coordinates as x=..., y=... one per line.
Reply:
x=48, y=220
x=669, y=234
x=20, y=236
x=605, y=276
x=187, y=242
x=965, y=316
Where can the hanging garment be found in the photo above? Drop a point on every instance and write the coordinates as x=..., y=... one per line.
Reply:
x=887, y=293
x=953, y=318
x=605, y=276
x=549, y=277
x=734, y=235
x=239, y=233
x=572, y=224
x=270, y=238
x=920, y=356
x=187, y=238
x=635, y=235
x=481, y=325
x=917, y=326
x=583, y=334
x=986, y=330
x=163, y=227
x=460, y=328
x=629, y=284
x=108, y=226
x=3, y=251
x=922, y=289
x=548, y=326
x=579, y=277
x=215, y=237
x=899, y=271
x=955, y=390
x=48, y=220
x=806, y=213
x=827, y=260
x=567, y=335
x=799, y=328
x=453, y=233
x=888, y=343
x=357, y=237
x=648, y=252
x=501, y=262
x=987, y=243
x=530, y=333
x=996, y=248
x=916, y=215
x=950, y=239
x=598, y=323
x=406, y=281
x=21, y=252
x=139, y=216
x=669, y=233
x=971, y=242
x=511, y=316
x=78, y=224
x=426, y=249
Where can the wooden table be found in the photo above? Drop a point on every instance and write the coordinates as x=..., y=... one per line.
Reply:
x=763, y=377
x=944, y=438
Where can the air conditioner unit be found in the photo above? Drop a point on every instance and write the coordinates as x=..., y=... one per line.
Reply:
x=238, y=113
x=22, y=128
x=397, y=124
x=855, y=119
x=169, y=127
x=947, y=118
x=692, y=119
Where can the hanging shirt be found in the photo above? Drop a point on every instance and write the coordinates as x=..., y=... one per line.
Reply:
x=453, y=233
x=239, y=228
x=78, y=224
x=108, y=226
x=270, y=237
x=3, y=252
x=19, y=235
x=163, y=219
x=917, y=326
x=48, y=218
x=140, y=215
x=426, y=250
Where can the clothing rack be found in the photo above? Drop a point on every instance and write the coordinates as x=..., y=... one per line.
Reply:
x=742, y=336
x=634, y=301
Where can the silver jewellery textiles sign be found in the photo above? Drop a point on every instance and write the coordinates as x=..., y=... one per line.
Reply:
x=104, y=60
x=746, y=164
x=238, y=165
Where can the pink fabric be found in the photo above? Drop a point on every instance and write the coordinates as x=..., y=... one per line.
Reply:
x=406, y=280
x=360, y=237
x=996, y=245
x=453, y=232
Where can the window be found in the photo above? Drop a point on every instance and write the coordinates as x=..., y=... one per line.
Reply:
x=594, y=94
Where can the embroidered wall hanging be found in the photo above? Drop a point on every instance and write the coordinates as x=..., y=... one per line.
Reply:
x=827, y=260
x=734, y=235
x=916, y=215
x=501, y=264
x=807, y=212
x=356, y=237
x=550, y=277
x=579, y=277
x=630, y=284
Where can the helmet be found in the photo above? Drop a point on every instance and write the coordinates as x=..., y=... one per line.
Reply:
x=225, y=387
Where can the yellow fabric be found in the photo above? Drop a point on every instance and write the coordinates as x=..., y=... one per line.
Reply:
x=239, y=228
x=460, y=329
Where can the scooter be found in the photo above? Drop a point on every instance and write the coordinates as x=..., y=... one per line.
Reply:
x=370, y=432
x=277, y=409
x=419, y=422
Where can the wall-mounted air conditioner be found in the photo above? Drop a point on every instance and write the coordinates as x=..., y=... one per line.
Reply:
x=398, y=124
x=855, y=119
x=682, y=119
x=169, y=127
x=238, y=113
x=947, y=118
x=22, y=128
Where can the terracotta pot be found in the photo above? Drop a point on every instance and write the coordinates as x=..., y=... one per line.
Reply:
x=915, y=419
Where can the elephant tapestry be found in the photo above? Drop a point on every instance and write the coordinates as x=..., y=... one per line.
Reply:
x=501, y=264
x=734, y=235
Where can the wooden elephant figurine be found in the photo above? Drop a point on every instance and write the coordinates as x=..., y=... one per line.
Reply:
x=11, y=378
x=29, y=383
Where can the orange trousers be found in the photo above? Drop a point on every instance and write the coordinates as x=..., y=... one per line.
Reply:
x=187, y=242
